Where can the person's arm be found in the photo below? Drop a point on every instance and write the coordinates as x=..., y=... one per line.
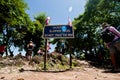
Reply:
x=27, y=45
x=115, y=31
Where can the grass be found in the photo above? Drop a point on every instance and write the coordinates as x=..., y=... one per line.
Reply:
x=55, y=62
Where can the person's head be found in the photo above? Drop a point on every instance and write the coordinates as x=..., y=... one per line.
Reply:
x=30, y=42
x=105, y=24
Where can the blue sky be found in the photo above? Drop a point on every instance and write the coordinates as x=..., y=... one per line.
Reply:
x=58, y=10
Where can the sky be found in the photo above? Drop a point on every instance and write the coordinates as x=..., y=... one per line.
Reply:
x=57, y=10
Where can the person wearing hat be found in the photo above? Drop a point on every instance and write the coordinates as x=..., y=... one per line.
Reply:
x=113, y=45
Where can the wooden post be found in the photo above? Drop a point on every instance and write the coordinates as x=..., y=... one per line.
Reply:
x=70, y=53
x=45, y=55
x=70, y=60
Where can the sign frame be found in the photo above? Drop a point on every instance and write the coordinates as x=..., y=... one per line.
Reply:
x=63, y=30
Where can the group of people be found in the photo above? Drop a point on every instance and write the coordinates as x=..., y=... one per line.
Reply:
x=30, y=47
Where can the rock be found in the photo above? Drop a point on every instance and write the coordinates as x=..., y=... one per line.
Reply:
x=20, y=79
x=2, y=77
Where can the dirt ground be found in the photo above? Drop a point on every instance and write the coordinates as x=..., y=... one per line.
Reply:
x=81, y=73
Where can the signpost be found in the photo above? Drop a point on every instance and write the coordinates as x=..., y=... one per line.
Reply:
x=58, y=31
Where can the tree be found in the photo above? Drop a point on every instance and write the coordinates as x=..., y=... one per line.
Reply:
x=12, y=18
x=88, y=24
x=35, y=31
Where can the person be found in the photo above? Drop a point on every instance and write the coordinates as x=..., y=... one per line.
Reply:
x=40, y=52
x=63, y=46
x=2, y=49
x=30, y=47
x=114, y=45
x=48, y=46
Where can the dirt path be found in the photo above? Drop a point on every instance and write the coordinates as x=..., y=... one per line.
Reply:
x=82, y=73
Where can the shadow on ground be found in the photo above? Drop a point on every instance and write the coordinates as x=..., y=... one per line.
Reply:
x=22, y=70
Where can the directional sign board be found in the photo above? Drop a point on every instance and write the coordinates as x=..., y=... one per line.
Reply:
x=58, y=31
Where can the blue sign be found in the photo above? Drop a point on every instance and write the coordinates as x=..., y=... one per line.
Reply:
x=58, y=31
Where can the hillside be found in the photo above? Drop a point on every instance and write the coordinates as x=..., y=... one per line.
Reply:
x=18, y=68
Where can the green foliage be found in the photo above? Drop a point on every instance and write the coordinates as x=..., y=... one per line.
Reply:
x=14, y=20
x=12, y=12
x=39, y=25
x=41, y=18
x=88, y=25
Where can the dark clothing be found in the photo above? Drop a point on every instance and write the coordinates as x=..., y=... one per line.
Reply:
x=30, y=47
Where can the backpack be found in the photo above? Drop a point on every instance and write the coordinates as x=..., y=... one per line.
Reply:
x=107, y=35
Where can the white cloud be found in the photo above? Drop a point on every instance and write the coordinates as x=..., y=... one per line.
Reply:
x=70, y=9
